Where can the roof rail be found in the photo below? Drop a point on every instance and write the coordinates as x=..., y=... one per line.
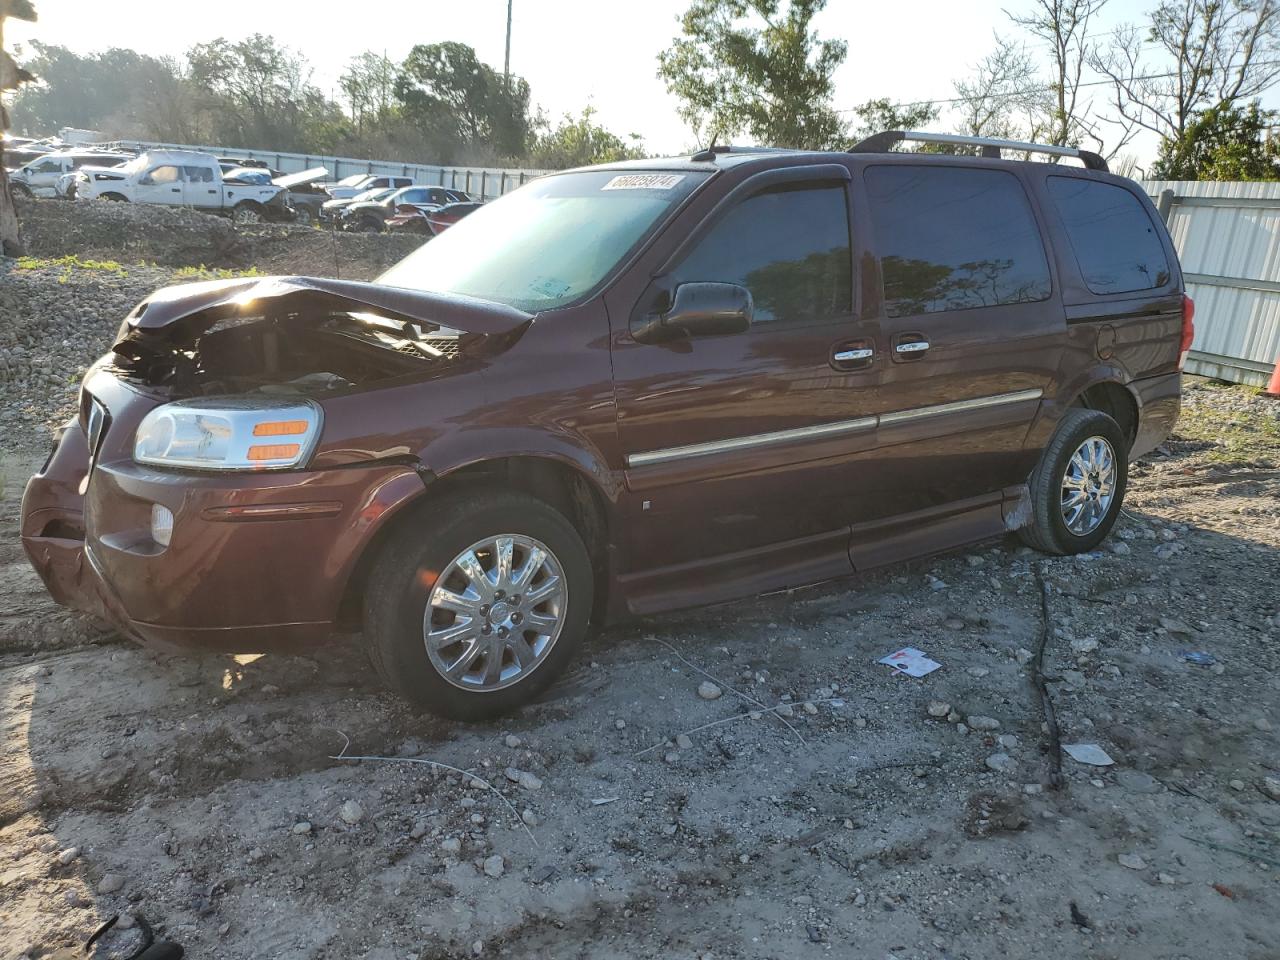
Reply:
x=711, y=152
x=883, y=142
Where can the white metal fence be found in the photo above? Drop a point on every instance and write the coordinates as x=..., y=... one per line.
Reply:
x=1228, y=239
x=483, y=182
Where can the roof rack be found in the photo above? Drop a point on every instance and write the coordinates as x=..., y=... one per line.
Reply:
x=883, y=142
x=711, y=152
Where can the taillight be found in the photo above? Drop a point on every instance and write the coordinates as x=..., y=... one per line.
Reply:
x=1188, y=329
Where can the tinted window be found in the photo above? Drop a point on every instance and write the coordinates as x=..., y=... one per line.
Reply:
x=789, y=247
x=954, y=238
x=1114, y=240
x=413, y=196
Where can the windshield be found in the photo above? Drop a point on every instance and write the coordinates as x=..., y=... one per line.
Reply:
x=352, y=180
x=548, y=243
x=370, y=195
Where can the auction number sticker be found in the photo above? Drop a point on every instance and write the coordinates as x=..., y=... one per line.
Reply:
x=644, y=181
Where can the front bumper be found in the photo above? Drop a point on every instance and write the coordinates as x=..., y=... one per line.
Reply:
x=257, y=562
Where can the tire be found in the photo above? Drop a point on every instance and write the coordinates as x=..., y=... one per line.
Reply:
x=21, y=191
x=115, y=197
x=369, y=225
x=304, y=217
x=1051, y=484
x=422, y=555
x=246, y=212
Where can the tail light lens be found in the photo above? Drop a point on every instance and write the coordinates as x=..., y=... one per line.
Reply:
x=1188, y=329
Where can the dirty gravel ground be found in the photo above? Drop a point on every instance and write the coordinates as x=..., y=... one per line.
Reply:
x=204, y=795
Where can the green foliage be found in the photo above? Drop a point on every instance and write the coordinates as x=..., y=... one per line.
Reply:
x=445, y=87
x=877, y=116
x=441, y=105
x=577, y=142
x=750, y=65
x=1222, y=143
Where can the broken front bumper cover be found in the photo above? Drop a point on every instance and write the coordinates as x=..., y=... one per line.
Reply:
x=257, y=562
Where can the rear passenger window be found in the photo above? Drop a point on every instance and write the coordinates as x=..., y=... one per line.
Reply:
x=1114, y=240
x=954, y=239
x=789, y=247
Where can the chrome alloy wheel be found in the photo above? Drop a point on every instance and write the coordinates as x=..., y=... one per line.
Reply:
x=495, y=613
x=1088, y=486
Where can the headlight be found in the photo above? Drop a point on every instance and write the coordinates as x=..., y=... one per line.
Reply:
x=229, y=433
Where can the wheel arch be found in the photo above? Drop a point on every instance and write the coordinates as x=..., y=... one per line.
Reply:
x=561, y=483
x=1116, y=400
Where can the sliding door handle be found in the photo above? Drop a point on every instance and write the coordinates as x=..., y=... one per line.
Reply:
x=912, y=346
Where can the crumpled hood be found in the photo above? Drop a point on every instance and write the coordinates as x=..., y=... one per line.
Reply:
x=190, y=308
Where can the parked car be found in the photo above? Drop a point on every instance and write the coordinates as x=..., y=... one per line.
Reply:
x=184, y=178
x=16, y=158
x=41, y=177
x=332, y=210
x=364, y=182
x=305, y=195
x=616, y=391
x=233, y=163
x=371, y=216
x=409, y=219
x=443, y=218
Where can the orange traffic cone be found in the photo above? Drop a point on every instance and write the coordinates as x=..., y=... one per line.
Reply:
x=1273, y=388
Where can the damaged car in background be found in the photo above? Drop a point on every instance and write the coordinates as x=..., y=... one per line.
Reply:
x=617, y=391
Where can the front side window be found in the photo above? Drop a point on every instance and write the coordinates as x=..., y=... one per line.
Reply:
x=788, y=246
x=954, y=238
x=549, y=243
x=164, y=175
x=1112, y=235
x=48, y=165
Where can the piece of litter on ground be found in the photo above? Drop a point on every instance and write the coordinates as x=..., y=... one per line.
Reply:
x=910, y=661
x=1201, y=657
x=601, y=801
x=1089, y=753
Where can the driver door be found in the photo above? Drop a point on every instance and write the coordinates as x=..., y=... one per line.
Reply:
x=162, y=184
x=742, y=443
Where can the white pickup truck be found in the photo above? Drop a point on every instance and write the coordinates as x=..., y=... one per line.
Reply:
x=183, y=178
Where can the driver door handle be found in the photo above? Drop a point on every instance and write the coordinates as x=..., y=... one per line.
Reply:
x=851, y=356
x=912, y=346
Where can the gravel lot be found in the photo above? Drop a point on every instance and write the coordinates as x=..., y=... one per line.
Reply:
x=819, y=806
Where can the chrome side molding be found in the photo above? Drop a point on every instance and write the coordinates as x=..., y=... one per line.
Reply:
x=836, y=428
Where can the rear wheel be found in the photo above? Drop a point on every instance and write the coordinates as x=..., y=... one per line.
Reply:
x=115, y=197
x=304, y=216
x=1078, y=487
x=476, y=608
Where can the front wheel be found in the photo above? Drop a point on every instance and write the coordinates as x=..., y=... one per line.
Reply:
x=1078, y=487
x=475, y=607
x=246, y=213
x=21, y=191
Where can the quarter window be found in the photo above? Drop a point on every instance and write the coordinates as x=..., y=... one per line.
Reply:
x=789, y=247
x=953, y=238
x=1115, y=242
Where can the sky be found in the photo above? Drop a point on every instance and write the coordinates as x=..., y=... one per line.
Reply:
x=577, y=52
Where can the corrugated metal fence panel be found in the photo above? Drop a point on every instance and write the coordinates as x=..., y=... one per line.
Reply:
x=1230, y=253
x=484, y=182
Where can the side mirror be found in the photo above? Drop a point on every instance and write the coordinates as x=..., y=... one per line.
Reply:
x=699, y=310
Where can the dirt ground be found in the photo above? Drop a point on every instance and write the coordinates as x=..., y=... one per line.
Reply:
x=820, y=806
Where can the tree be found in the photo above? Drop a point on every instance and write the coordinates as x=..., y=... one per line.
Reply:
x=749, y=65
x=369, y=85
x=877, y=116
x=1213, y=54
x=1223, y=143
x=1001, y=98
x=445, y=87
x=11, y=77
x=258, y=92
x=579, y=141
x=1064, y=26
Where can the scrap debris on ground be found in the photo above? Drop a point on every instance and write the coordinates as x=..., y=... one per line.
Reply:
x=739, y=781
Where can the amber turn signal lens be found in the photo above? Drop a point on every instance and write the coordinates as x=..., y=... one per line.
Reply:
x=280, y=428
x=274, y=451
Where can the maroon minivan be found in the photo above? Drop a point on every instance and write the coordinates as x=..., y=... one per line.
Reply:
x=621, y=390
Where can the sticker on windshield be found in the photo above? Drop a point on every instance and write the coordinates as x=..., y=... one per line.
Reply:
x=644, y=181
x=550, y=288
